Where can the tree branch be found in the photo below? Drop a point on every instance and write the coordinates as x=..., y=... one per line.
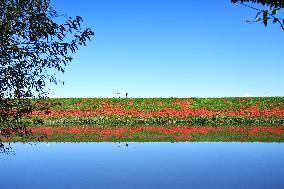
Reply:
x=271, y=15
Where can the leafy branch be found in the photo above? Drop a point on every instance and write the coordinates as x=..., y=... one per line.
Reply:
x=269, y=10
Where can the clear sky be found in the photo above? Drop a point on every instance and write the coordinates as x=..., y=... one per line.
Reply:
x=172, y=48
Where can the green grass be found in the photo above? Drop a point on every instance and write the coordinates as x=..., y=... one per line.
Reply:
x=236, y=103
x=154, y=104
x=113, y=121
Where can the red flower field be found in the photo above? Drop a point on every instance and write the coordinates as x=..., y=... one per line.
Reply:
x=249, y=107
x=183, y=112
x=160, y=119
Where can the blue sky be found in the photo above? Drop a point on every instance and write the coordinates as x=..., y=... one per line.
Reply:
x=172, y=48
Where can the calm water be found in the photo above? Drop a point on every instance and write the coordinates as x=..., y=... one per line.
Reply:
x=143, y=165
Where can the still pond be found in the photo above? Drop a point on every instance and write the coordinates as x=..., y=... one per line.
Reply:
x=143, y=165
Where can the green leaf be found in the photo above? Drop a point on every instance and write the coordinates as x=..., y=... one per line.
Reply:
x=274, y=11
x=275, y=20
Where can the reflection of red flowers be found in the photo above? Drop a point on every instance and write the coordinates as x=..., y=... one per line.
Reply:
x=181, y=132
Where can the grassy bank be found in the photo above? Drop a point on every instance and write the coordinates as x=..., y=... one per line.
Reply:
x=157, y=119
x=154, y=104
x=116, y=121
x=161, y=111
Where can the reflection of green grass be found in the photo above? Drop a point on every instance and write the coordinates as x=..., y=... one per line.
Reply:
x=221, y=136
x=148, y=134
x=86, y=137
x=238, y=137
x=152, y=136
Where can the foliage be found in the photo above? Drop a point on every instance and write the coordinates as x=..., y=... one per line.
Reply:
x=270, y=10
x=35, y=43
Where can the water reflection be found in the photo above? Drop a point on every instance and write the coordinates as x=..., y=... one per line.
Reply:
x=5, y=148
x=119, y=145
x=143, y=165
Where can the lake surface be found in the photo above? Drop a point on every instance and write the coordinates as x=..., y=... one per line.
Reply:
x=143, y=165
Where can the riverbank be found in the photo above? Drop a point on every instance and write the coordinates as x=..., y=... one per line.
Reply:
x=160, y=111
x=156, y=119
